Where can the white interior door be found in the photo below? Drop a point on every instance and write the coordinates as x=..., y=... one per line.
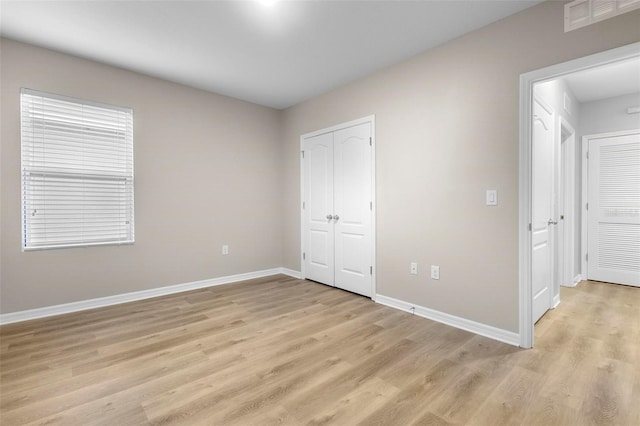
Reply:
x=353, y=209
x=614, y=209
x=318, y=209
x=542, y=190
x=337, y=211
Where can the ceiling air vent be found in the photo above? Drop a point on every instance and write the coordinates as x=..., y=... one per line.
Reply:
x=580, y=13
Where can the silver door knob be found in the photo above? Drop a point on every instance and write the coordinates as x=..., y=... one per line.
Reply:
x=329, y=217
x=336, y=217
x=551, y=222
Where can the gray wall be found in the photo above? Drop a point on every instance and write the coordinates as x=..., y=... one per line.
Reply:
x=447, y=130
x=207, y=172
x=609, y=115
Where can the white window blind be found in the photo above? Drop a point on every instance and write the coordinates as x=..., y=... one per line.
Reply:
x=77, y=172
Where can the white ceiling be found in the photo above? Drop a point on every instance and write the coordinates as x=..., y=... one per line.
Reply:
x=275, y=55
x=617, y=79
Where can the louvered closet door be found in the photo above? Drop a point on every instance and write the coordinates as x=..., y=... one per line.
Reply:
x=614, y=210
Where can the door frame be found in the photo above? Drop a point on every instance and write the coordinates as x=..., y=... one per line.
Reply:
x=584, y=247
x=567, y=177
x=371, y=119
x=527, y=80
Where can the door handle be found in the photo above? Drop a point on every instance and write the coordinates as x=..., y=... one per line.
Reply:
x=336, y=217
x=329, y=217
x=551, y=222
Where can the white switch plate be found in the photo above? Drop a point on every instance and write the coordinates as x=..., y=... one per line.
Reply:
x=414, y=268
x=435, y=272
x=225, y=249
x=492, y=197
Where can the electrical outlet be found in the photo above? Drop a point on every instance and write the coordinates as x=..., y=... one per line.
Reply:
x=225, y=249
x=435, y=272
x=414, y=268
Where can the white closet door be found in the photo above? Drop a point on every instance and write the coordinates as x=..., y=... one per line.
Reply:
x=352, y=198
x=542, y=187
x=614, y=210
x=318, y=212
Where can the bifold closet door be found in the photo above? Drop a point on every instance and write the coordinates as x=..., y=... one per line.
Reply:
x=318, y=209
x=337, y=209
x=352, y=205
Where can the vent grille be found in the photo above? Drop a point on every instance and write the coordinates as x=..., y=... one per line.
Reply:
x=580, y=13
x=603, y=7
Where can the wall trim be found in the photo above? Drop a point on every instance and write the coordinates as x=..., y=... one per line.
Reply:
x=556, y=301
x=291, y=272
x=575, y=281
x=485, y=330
x=100, y=302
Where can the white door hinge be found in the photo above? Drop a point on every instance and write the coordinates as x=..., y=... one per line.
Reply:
x=371, y=270
x=303, y=205
x=370, y=142
x=302, y=154
x=304, y=256
x=371, y=205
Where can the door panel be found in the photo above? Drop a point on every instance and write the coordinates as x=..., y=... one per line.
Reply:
x=318, y=180
x=352, y=198
x=614, y=210
x=542, y=190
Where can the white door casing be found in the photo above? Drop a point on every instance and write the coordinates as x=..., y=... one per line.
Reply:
x=338, y=216
x=566, y=215
x=542, y=190
x=353, y=205
x=318, y=179
x=613, y=214
x=525, y=170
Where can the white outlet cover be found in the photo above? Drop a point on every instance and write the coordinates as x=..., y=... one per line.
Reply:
x=435, y=272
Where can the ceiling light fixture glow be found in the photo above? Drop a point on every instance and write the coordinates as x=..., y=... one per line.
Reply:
x=268, y=3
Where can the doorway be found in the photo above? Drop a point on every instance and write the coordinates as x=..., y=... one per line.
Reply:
x=559, y=191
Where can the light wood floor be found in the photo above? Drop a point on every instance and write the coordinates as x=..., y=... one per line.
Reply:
x=284, y=351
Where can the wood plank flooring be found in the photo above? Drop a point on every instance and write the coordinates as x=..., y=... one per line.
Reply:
x=290, y=352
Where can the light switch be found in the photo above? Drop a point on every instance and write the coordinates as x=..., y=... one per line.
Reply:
x=492, y=197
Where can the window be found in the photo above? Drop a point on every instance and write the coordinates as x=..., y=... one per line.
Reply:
x=77, y=172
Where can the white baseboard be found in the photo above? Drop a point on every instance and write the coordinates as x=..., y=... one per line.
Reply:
x=291, y=273
x=575, y=281
x=452, y=320
x=556, y=301
x=100, y=302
